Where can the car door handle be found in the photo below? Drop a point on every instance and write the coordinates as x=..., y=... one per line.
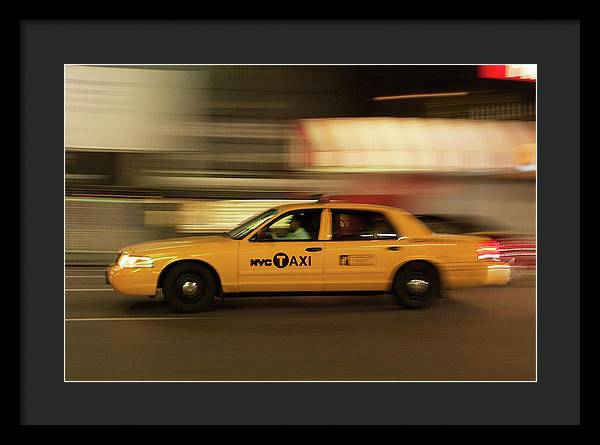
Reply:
x=394, y=248
x=313, y=249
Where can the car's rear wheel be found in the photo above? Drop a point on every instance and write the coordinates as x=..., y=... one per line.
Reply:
x=415, y=285
x=189, y=287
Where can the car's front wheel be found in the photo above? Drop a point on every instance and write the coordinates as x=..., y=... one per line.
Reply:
x=415, y=285
x=189, y=287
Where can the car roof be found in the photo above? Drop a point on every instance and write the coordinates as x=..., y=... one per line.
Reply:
x=340, y=205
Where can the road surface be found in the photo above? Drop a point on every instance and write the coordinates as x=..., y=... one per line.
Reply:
x=472, y=334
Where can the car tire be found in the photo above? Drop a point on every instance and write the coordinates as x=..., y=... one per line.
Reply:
x=189, y=287
x=415, y=285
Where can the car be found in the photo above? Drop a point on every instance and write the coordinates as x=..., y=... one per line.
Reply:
x=516, y=248
x=320, y=247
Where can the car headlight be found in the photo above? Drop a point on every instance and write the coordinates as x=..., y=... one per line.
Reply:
x=133, y=261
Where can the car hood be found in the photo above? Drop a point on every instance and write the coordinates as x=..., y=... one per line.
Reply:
x=171, y=244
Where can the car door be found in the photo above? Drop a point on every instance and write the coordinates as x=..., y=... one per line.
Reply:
x=361, y=251
x=283, y=264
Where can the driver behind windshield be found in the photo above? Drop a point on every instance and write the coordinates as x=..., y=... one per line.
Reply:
x=296, y=230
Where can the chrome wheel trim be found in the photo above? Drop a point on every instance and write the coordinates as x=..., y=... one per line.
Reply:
x=189, y=288
x=417, y=286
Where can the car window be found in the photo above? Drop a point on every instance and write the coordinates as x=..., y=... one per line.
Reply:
x=250, y=224
x=298, y=225
x=354, y=225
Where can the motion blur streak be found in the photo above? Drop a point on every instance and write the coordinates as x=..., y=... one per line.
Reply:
x=414, y=96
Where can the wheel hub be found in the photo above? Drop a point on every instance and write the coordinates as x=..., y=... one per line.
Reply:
x=189, y=288
x=417, y=286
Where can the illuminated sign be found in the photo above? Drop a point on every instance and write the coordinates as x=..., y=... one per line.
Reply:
x=526, y=73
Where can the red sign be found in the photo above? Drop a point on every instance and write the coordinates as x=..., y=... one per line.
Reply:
x=527, y=73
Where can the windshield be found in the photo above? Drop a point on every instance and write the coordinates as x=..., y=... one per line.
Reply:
x=250, y=224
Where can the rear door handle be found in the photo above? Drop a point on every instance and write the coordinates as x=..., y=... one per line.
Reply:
x=313, y=249
x=394, y=248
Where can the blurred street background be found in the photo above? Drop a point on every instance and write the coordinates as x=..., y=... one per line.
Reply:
x=164, y=151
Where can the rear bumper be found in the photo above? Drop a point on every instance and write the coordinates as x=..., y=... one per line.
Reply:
x=498, y=274
x=476, y=274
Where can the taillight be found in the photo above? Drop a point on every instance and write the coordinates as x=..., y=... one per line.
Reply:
x=488, y=251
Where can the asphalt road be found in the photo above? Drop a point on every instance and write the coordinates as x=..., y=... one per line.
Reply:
x=472, y=334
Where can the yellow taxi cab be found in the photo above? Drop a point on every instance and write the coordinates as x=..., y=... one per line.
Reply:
x=315, y=247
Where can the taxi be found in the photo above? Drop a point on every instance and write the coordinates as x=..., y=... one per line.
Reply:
x=311, y=247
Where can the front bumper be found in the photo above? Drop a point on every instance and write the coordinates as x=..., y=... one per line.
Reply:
x=135, y=282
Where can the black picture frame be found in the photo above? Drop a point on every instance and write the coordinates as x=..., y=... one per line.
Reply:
x=45, y=46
